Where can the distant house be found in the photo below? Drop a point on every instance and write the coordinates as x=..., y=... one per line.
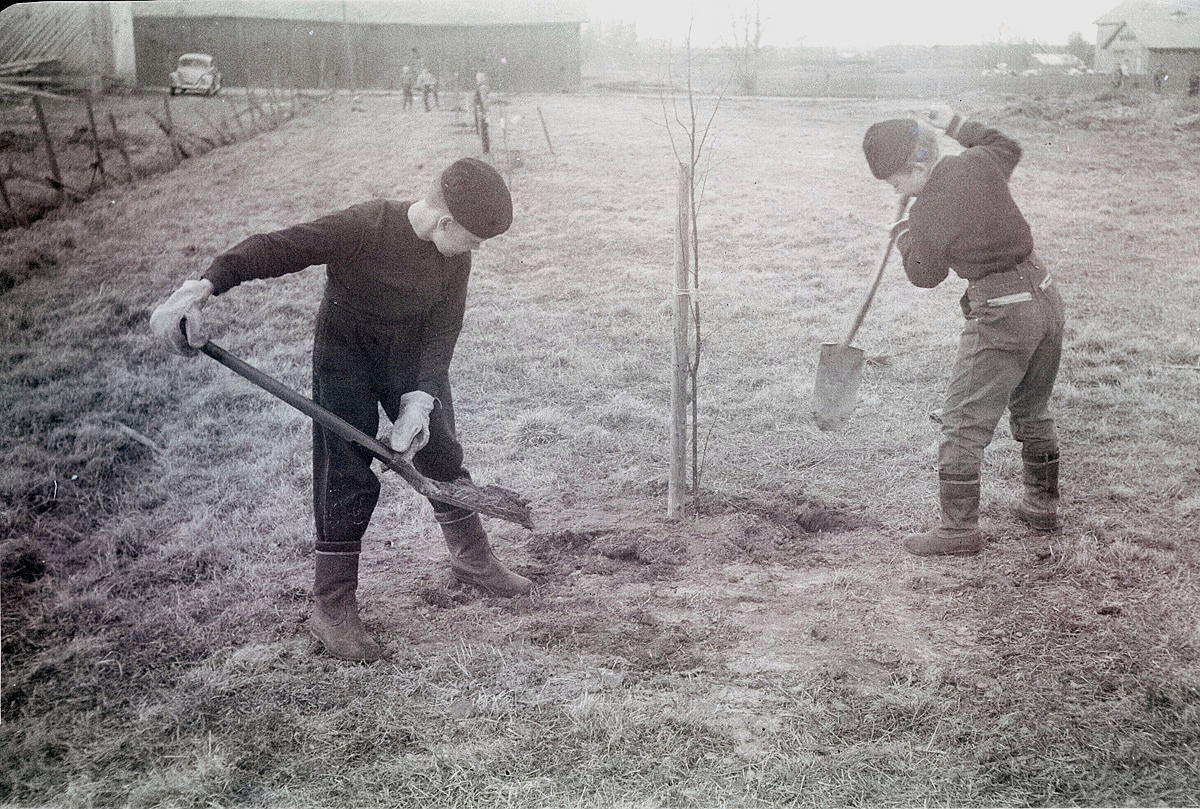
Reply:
x=363, y=44
x=1142, y=38
x=90, y=43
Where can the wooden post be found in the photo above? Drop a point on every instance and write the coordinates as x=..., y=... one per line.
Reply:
x=680, y=360
x=237, y=119
x=169, y=130
x=222, y=136
x=120, y=139
x=41, y=117
x=96, y=142
x=545, y=131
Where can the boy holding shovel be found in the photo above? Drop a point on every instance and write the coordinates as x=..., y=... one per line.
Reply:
x=395, y=293
x=964, y=218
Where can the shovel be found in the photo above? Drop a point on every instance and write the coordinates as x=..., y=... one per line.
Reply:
x=495, y=501
x=839, y=368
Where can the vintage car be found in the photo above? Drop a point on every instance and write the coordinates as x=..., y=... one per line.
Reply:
x=196, y=71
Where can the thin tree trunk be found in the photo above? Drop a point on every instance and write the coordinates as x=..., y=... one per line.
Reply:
x=677, y=482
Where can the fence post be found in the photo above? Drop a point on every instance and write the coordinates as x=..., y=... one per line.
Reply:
x=545, y=130
x=96, y=142
x=680, y=360
x=41, y=116
x=120, y=138
x=176, y=152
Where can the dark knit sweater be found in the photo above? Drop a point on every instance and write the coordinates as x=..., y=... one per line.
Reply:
x=964, y=218
x=377, y=267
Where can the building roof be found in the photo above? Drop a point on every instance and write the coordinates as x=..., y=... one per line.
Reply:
x=1057, y=59
x=375, y=12
x=1158, y=25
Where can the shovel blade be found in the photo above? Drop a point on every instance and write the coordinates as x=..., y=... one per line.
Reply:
x=835, y=392
x=492, y=500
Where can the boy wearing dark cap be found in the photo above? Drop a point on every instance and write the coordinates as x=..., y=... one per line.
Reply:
x=964, y=219
x=395, y=293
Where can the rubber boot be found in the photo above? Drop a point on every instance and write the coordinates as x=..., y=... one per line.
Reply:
x=471, y=557
x=958, y=534
x=334, y=620
x=1038, y=504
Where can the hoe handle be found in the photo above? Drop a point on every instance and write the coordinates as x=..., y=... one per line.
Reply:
x=866, y=304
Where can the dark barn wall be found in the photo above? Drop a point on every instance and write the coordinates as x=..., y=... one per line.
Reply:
x=1179, y=65
x=248, y=51
x=291, y=53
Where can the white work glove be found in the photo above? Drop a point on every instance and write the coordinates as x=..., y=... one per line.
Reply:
x=183, y=307
x=410, y=433
x=900, y=227
x=939, y=116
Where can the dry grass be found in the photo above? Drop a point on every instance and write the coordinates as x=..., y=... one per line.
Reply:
x=774, y=649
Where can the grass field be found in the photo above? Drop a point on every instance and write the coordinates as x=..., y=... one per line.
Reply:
x=774, y=647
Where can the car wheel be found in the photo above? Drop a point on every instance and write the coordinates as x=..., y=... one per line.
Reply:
x=174, y=90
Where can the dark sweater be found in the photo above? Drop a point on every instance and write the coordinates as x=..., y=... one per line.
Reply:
x=376, y=267
x=965, y=218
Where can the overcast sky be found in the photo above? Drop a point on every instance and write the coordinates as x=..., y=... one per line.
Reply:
x=863, y=23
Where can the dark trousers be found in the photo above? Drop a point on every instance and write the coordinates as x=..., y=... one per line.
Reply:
x=358, y=365
x=1008, y=359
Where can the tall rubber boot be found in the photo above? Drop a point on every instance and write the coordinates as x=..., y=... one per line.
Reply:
x=1038, y=504
x=471, y=557
x=958, y=534
x=334, y=620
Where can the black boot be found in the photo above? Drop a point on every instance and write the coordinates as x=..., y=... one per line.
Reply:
x=958, y=534
x=471, y=557
x=334, y=620
x=1038, y=504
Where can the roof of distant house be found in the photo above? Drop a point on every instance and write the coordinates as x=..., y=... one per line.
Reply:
x=376, y=12
x=1158, y=25
x=1057, y=59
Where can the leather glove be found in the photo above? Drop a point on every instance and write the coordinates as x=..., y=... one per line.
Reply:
x=410, y=433
x=182, y=310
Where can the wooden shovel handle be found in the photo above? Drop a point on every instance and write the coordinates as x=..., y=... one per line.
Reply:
x=866, y=304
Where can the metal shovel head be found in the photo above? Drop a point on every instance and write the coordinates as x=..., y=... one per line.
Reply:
x=835, y=392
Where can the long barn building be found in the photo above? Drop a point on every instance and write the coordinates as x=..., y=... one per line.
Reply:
x=363, y=44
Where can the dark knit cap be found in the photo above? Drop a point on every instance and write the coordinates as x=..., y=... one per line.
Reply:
x=889, y=144
x=477, y=197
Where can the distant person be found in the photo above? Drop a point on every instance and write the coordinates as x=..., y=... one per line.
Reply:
x=406, y=86
x=1194, y=84
x=425, y=83
x=395, y=293
x=1159, y=77
x=963, y=218
x=1120, y=74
